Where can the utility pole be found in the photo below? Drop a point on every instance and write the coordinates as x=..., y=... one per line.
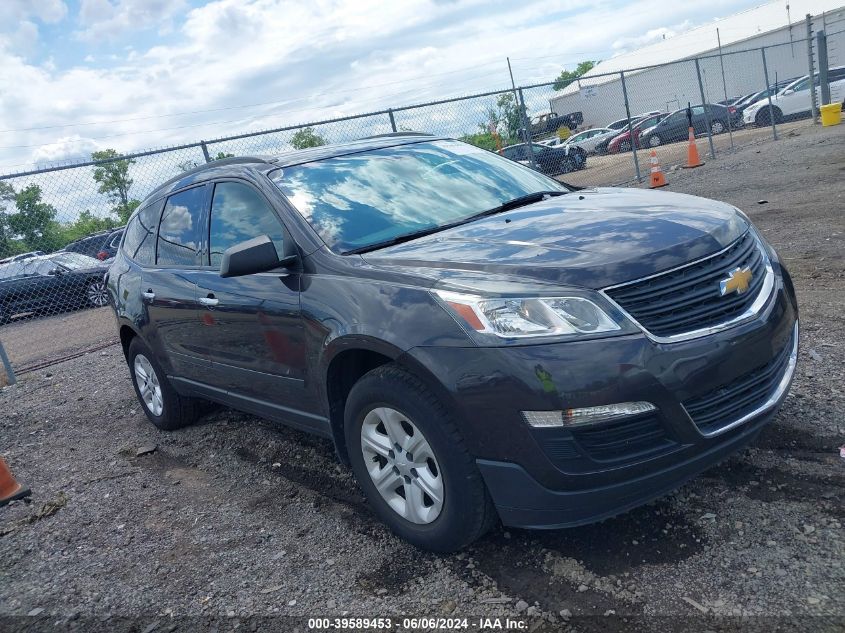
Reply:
x=520, y=104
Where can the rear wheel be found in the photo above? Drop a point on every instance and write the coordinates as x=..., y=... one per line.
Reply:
x=717, y=127
x=410, y=460
x=625, y=146
x=164, y=407
x=762, y=119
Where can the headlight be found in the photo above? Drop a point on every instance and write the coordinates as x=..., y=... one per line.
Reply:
x=526, y=317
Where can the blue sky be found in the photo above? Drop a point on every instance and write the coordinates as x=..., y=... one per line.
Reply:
x=80, y=75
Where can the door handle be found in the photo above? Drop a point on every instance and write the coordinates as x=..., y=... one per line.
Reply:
x=209, y=301
x=149, y=295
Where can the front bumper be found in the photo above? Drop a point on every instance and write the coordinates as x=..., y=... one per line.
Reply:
x=556, y=477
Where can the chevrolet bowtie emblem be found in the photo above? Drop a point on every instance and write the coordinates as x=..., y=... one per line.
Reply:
x=738, y=281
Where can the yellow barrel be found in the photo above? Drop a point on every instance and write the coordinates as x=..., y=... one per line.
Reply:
x=831, y=114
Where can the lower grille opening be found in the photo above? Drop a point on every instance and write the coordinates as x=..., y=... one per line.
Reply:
x=625, y=439
x=731, y=401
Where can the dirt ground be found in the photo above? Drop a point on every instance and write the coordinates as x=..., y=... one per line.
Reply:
x=237, y=519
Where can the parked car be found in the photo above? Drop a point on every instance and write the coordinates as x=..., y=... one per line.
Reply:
x=794, y=100
x=591, y=141
x=675, y=127
x=478, y=341
x=48, y=284
x=550, y=122
x=549, y=160
x=622, y=142
x=21, y=256
x=102, y=245
x=754, y=97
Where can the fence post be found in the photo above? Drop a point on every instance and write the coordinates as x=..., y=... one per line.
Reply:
x=769, y=90
x=205, y=151
x=392, y=120
x=821, y=46
x=706, y=109
x=10, y=373
x=630, y=126
x=725, y=88
x=812, y=77
x=527, y=126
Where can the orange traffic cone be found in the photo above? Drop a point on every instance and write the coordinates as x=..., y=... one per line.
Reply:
x=693, y=159
x=657, y=177
x=10, y=489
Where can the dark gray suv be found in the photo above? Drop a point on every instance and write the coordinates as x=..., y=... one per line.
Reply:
x=479, y=341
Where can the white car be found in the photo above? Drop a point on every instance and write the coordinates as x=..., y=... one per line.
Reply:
x=592, y=141
x=794, y=99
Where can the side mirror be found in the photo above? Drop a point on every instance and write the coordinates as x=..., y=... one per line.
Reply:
x=257, y=255
x=55, y=272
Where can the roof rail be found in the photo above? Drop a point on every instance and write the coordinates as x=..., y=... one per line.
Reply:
x=234, y=160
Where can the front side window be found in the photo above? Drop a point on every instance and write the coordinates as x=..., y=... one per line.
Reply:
x=177, y=233
x=240, y=213
x=359, y=200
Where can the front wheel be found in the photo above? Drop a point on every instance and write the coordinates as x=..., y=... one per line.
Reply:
x=164, y=407
x=717, y=127
x=96, y=294
x=654, y=140
x=410, y=460
x=625, y=146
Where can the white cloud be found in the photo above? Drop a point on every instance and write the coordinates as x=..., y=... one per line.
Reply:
x=48, y=11
x=73, y=147
x=107, y=19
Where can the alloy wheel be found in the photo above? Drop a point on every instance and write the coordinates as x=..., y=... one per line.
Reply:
x=717, y=127
x=402, y=465
x=97, y=294
x=148, y=385
x=654, y=140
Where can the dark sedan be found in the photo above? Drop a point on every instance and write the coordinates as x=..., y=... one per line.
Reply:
x=49, y=284
x=549, y=160
x=675, y=127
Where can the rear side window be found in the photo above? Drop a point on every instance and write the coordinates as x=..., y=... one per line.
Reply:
x=140, y=235
x=836, y=75
x=177, y=232
x=240, y=213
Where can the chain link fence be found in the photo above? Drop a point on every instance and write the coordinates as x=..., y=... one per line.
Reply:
x=60, y=227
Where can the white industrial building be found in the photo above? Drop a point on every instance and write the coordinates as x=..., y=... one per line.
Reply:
x=599, y=95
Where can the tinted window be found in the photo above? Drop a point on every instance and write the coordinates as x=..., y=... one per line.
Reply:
x=367, y=198
x=239, y=213
x=836, y=75
x=140, y=235
x=177, y=232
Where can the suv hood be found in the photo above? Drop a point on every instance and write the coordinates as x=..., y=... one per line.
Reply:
x=590, y=238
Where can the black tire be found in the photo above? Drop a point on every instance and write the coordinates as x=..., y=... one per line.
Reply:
x=762, y=119
x=177, y=411
x=718, y=127
x=654, y=141
x=624, y=146
x=467, y=511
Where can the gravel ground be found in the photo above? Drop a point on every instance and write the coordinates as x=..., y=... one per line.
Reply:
x=238, y=518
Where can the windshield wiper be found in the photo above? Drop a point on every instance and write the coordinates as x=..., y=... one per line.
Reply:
x=521, y=201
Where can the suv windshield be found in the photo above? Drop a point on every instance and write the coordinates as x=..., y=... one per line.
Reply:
x=74, y=261
x=367, y=198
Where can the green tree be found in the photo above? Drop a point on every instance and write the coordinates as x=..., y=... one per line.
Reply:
x=506, y=116
x=114, y=181
x=306, y=137
x=566, y=77
x=222, y=155
x=7, y=196
x=34, y=220
x=86, y=224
